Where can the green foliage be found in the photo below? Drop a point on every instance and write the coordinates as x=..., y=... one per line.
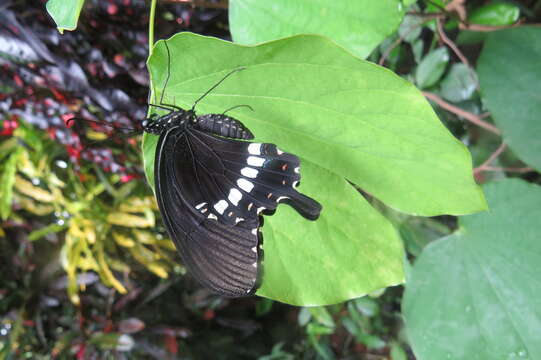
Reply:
x=459, y=84
x=511, y=83
x=431, y=68
x=65, y=13
x=474, y=294
x=6, y=183
x=495, y=14
x=358, y=26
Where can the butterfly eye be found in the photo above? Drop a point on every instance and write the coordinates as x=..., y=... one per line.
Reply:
x=144, y=123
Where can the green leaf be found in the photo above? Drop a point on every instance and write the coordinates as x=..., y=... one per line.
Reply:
x=367, y=306
x=343, y=252
x=105, y=341
x=7, y=180
x=316, y=329
x=410, y=28
x=149, y=146
x=322, y=316
x=431, y=67
x=30, y=136
x=65, y=13
x=304, y=316
x=51, y=228
x=459, y=84
x=397, y=352
x=495, y=14
x=475, y=294
x=359, y=25
x=346, y=119
x=263, y=307
x=510, y=79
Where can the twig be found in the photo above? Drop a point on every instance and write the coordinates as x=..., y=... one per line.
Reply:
x=462, y=113
x=486, y=167
x=388, y=51
x=490, y=159
x=521, y=170
x=451, y=44
x=484, y=115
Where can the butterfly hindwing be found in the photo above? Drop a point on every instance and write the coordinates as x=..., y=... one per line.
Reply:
x=211, y=191
x=222, y=257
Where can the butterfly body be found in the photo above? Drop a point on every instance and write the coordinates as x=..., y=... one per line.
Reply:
x=218, y=124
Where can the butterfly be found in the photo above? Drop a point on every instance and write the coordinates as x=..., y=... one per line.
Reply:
x=213, y=185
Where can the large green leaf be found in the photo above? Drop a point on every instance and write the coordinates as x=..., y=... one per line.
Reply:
x=510, y=79
x=349, y=251
x=65, y=13
x=476, y=294
x=357, y=25
x=345, y=118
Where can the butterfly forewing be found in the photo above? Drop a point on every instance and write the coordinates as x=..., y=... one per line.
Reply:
x=252, y=177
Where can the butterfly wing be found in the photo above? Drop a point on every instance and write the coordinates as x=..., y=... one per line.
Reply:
x=224, y=258
x=211, y=191
x=248, y=178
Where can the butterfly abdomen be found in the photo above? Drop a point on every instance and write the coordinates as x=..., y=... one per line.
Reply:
x=223, y=125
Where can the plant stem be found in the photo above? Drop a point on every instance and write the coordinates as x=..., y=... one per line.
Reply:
x=462, y=113
x=151, y=25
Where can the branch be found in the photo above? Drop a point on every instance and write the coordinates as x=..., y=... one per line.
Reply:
x=450, y=43
x=490, y=159
x=521, y=170
x=486, y=167
x=462, y=113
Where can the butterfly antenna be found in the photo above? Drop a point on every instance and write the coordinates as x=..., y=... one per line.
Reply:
x=238, y=106
x=168, y=70
x=162, y=105
x=215, y=86
x=69, y=121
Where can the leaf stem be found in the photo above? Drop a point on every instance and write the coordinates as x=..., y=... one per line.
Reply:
x=151, y=25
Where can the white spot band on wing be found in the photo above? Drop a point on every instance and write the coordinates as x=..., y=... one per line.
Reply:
x=255, y=161
x=234, y=196
x=245, y=184
x=220, y=206
x=249, y=172
x=254, y=148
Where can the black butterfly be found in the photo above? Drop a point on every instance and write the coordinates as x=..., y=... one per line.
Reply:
x=212, y=187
